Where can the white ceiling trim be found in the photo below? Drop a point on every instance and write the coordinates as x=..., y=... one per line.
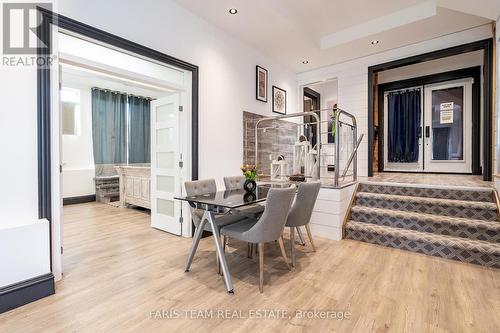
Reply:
x=403, y=17
x=489, y=9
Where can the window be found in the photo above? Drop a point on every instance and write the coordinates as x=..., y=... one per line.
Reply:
x=70, y=111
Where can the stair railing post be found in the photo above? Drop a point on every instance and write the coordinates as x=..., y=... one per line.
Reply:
x=337, y=149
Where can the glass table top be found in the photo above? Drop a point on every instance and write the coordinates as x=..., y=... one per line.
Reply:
x=232, y=198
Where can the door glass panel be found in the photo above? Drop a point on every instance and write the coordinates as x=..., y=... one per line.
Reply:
x=165, y=207
x=164, y=136
x=447, y=124
x=165, y=160
x=165, y=113
x=165, y=183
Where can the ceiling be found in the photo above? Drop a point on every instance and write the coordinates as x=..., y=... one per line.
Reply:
x=85, y=77
x=325, y=32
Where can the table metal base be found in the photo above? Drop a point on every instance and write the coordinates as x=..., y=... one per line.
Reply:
x=208, y=216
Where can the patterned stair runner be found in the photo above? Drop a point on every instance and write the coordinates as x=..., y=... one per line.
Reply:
x=453, y=223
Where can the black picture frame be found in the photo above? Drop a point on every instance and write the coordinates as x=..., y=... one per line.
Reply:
x=258, y=81
x=275, y=108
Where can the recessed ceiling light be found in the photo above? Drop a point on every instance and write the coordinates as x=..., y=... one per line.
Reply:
x=233, y=11
x=305, y=62
x=375, y=42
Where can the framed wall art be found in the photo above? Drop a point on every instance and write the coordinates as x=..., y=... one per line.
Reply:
x=279, y=100
x=261, y=84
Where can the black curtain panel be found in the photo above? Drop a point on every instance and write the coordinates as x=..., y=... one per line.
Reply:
x=109, y=126
x=403, y=125
x=139, y=148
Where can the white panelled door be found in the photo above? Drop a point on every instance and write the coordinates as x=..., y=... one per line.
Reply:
x=165, y=164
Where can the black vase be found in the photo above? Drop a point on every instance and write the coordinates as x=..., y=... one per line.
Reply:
x=249, y=197
x=250, y=185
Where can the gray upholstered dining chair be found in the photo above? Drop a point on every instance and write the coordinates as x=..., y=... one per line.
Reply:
x=268, y=228
x=301, y=212
x=197, y=187
x=236, y=183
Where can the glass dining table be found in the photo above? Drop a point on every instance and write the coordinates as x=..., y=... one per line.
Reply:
x=212, y=203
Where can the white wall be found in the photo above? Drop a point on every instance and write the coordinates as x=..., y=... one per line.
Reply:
x=227, y=69
x=77, y=153
x=19, y=182
x=24, y=250
x=18, y=150
x=353, y=78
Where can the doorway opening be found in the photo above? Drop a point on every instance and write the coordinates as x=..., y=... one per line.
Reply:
x=321, y=96
x=123, y=137
x=428, y=128
x=473, y=60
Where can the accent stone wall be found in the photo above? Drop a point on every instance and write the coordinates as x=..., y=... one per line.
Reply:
x=272, y=142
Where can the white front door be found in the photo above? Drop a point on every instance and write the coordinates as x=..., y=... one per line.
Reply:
x=448, y=127
x=165, y=164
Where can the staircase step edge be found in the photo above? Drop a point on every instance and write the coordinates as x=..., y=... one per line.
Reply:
x=426, y=200
x=461, y=221
x=468, y=244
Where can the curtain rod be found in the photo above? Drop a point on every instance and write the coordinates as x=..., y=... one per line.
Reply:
x=122, y=93
x=404, y=90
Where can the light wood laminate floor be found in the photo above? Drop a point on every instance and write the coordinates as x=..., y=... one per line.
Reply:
x=118, y=270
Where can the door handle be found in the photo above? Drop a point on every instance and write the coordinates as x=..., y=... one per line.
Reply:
x=427, y=131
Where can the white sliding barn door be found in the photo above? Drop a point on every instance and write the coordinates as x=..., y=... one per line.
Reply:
x=165, y=164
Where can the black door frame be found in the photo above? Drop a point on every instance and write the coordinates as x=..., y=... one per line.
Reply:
x=471, y=72
x=316, y=98
x=487, y=46
x=44, y=93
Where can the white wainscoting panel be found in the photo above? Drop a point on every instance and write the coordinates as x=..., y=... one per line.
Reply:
x=329, y=212
x=24, y=251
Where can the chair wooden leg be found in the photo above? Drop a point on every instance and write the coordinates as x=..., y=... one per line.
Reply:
x=283, y=253
x=309, y=234
x=261, y=267
x=292, y=245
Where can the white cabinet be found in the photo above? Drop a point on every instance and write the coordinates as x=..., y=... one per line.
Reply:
x=135, y=185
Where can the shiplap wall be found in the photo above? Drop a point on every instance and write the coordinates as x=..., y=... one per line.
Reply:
x=353, y=78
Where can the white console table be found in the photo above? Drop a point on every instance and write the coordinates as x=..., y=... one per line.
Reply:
x=135, y=185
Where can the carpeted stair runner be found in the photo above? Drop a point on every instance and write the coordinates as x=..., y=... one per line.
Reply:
x=453, y=223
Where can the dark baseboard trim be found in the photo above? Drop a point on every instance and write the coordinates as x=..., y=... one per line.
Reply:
x=78, y=200
x=25, y=292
